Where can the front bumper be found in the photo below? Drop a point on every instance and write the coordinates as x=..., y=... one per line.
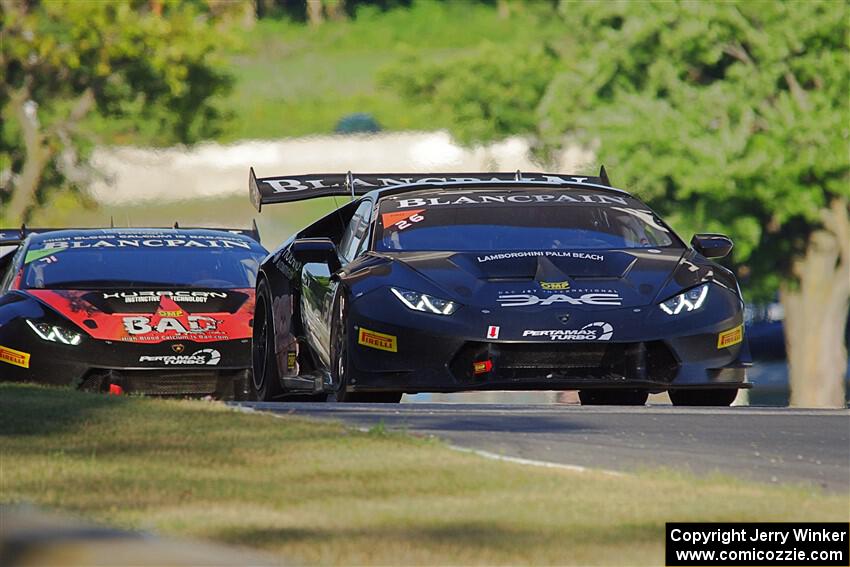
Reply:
x=443, y=354
x=220, y=369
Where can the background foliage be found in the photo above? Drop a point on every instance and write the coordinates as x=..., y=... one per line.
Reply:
x=65, y=61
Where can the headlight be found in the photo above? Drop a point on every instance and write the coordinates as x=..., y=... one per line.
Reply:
x=425, y=303
x=690, y=300
x=55, y=334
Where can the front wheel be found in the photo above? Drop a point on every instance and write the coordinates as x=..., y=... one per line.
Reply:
x=340, y=366
x=341, y=370
x=265, y=379
x=706, y=397
x=613, y=397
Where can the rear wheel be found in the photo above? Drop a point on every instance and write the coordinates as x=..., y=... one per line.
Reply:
x=613, y=397
x=265, y=379
x=341, y=370
x=713, y=397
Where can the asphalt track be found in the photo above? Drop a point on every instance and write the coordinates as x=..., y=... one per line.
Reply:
x=762, y=444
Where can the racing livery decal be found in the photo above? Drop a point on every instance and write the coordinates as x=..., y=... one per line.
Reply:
x=134, y=240
x=374, y=339
x=555, y=286
x=597, y=331
x=207, y=356
x=158, y=315
x=16, y=357
x=527, y=299
x=184, y=296
x=730, y=337
x=512, y=200
x=543, y=253
x=397, y=218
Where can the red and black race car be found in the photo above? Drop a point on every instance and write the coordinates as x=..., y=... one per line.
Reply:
x=155, y=311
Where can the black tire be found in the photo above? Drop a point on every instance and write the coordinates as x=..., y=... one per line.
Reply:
x=341, y=368
x=265, y=377
x=613, y=397
x=712, y=397
x=340, y=365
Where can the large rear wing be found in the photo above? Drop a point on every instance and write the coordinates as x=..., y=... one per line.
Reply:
x=271, y=190
x=14, y=236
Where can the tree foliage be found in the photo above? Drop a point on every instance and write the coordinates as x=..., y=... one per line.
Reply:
x=131, y=59
x=491, y=94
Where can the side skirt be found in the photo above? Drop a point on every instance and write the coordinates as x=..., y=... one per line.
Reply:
x=313, y=382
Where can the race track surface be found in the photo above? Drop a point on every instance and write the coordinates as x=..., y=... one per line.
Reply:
x=761, y=444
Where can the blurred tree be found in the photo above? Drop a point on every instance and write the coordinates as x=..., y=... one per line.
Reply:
x=489, y=94
x=61, y=60
x=725, y=116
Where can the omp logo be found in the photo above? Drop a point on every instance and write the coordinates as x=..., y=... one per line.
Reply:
x=597, y=331
x=170, y=313
x=380, y=341
x=730, y=337
x=555, y=286
x=207, y=357
x=15, y=357
x=525, y=299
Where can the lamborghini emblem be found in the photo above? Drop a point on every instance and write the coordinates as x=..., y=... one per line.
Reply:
x=178, y=348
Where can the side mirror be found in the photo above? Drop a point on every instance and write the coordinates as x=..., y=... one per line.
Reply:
x=316, y=250
x=712, y=245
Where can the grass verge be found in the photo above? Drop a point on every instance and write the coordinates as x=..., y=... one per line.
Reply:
x=317, y=492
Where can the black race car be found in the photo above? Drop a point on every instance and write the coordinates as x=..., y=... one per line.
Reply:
x=155, y=311
x=496, y=281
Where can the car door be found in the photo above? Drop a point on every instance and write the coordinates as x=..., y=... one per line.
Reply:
x=319, y=288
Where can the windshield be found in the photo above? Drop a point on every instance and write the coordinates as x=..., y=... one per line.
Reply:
x=484, y=223
x=133, y=262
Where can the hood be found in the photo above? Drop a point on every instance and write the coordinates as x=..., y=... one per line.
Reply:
x=154, y=316
x=580, y=278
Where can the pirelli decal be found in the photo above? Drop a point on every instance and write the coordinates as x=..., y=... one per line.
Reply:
x=730, y=337
x=374, y=339
x=16, y=357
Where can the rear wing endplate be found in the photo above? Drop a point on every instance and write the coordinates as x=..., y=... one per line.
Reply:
x=271, y=190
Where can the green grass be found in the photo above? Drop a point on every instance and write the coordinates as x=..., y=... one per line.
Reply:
x=295, y=80
x=317, y=492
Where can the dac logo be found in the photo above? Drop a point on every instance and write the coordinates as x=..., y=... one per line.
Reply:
x=524, y=299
